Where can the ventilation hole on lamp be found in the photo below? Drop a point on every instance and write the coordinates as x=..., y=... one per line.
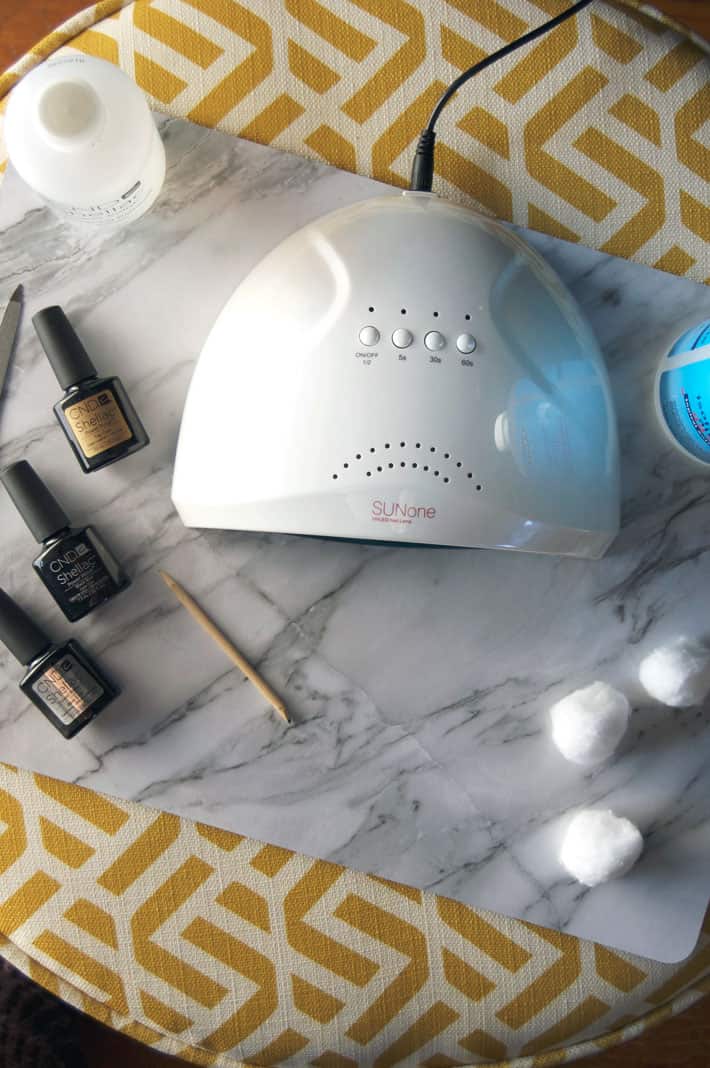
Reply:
x=390, y=466
x=436, y=315
x=403, y=311
x=346, y=466
x=379, y=468
x=372, y=448
x=432, y=448
x=358, y=456
x=426, y=467
x=335, y=476
x=436, y=474
x=402, y=464
x=402, y=444
x=414, y=465
x=447, y=455
x=418, y=445
x=459, y=464
x=370, y=308
x=479, y=488
x=368, y=473
x=446, y=480
x=467, y=317
x=469, y=475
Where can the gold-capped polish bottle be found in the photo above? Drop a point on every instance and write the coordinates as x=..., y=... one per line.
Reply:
x=75, y=565
x=62, y=680
x=95, y=413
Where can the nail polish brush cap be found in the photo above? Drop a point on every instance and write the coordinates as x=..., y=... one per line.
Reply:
x=19, y=633
x=69, y=359
x=37, y=506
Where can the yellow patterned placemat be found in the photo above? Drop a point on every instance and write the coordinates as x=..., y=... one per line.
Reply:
x=224, y=950
x=594, y=134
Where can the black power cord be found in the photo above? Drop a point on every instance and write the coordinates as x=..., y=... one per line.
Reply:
x=423, y=164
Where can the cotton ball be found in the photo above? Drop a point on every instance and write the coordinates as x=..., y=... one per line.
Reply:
x=677, y=674
x=588, y=724
x=599, y=846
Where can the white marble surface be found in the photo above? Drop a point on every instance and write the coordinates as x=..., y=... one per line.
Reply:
x=419, y=679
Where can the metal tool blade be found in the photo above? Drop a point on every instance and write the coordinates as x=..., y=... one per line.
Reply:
x=8, y=332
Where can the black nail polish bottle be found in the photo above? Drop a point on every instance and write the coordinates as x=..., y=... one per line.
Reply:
x=61, y=680
x=75, y=565
x=96, y=415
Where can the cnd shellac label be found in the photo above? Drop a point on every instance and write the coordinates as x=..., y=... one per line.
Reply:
x=80, y=572
x=67, y=689
x=98, y=423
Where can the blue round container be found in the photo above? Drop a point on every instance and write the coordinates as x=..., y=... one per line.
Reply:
x=683, y=392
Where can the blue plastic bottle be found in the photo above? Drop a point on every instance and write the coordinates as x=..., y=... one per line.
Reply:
x=682, y=392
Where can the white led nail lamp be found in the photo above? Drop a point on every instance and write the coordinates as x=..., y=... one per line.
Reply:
x=403, y=370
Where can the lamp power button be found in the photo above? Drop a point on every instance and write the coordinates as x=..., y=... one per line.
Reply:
x=369, y=335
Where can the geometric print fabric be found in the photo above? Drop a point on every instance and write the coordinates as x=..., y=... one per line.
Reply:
x=598, y=133
x=225, y=950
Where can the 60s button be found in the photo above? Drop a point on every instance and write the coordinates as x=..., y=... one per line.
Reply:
x=465, y=343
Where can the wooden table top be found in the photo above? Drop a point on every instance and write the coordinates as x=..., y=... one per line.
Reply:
x=26, y=23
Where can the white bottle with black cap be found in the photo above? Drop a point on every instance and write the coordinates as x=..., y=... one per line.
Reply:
x=80, y=133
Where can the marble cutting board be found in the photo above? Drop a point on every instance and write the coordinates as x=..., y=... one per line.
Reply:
x=419, y=679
